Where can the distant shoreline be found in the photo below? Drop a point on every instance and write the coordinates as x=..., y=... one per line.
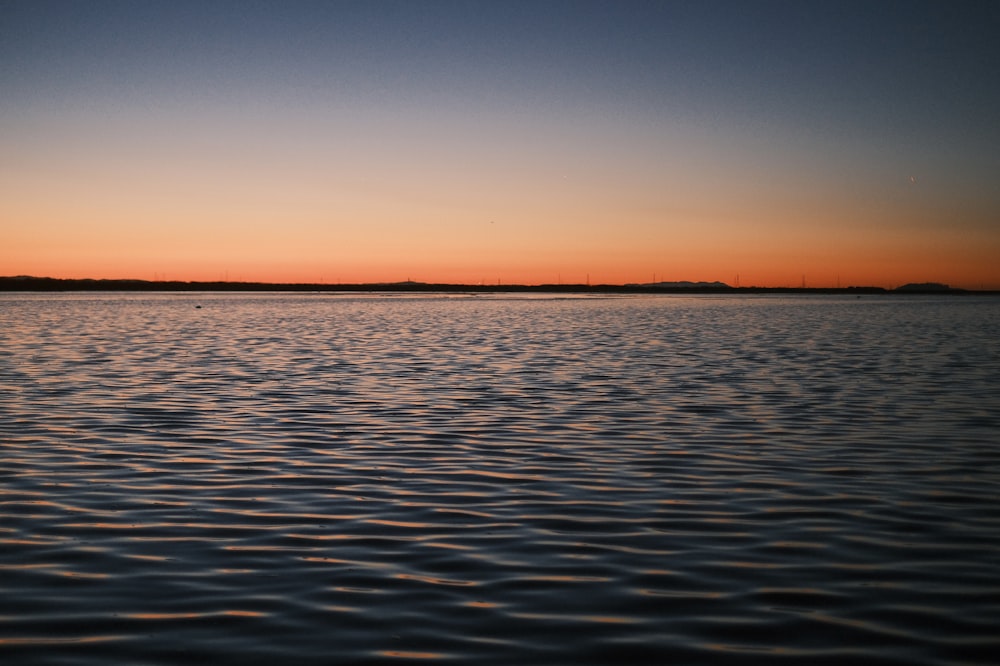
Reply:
x=45, y=284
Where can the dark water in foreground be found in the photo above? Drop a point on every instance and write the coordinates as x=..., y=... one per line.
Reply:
x=413, y=479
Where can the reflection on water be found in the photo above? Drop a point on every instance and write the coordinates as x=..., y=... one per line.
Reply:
x=376, y=479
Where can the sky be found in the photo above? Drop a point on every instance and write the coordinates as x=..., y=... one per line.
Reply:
x=775, y=143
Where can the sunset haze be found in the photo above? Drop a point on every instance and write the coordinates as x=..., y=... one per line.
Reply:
x=765, y=143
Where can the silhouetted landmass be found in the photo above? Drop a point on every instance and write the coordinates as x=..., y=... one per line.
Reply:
x=927, y=288
x=682, y=285
x=30, y=283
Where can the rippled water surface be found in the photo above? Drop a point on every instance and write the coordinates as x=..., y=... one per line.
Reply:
x=217, y=478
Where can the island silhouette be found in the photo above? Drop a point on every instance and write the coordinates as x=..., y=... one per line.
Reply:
x=32, y=283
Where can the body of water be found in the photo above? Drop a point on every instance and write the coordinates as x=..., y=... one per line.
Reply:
x=267, y=478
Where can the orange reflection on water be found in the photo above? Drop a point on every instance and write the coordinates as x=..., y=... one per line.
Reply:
x=481, y=604
x=192, y=616
x=503, y=475
x=603, y=619
x=242, y=613
x=402, y=654
x=398, y=523
x=33, y=541
x=162, y=616
x=46, y=640
x=433, y=580
x=154, y=558
x=608, y=619
x=446, y=545
x=26, y=566
x=102, y=526
x=80, y=574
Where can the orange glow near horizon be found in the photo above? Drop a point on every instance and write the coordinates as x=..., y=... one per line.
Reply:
x=389, y=243
x=389, y=218
x=962, y=269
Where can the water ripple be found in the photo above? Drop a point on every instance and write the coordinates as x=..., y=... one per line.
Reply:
x=325, y=479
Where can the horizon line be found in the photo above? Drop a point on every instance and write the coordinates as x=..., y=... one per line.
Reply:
x=36, y=283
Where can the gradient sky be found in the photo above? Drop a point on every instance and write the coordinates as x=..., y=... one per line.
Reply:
x=851, y=143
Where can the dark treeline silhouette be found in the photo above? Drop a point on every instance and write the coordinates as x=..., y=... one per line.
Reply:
x=29, y=283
